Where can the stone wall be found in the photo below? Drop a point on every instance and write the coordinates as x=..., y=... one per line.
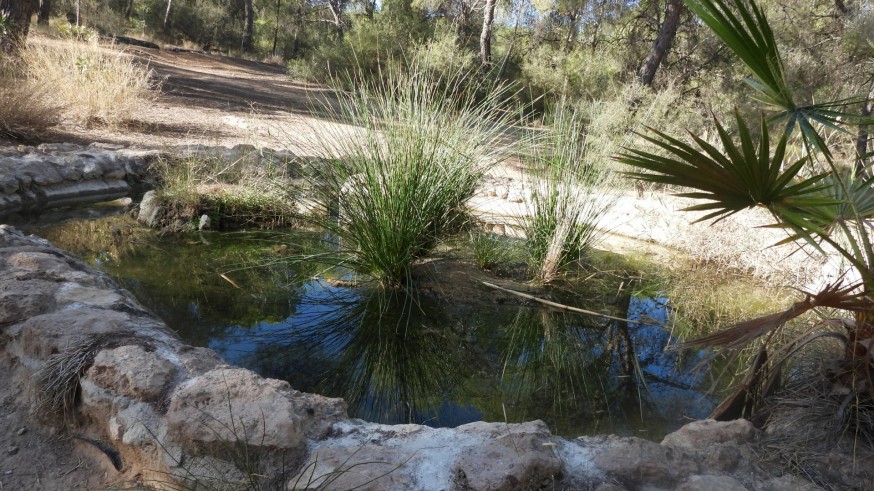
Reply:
x=162, y=411
x=63, y=174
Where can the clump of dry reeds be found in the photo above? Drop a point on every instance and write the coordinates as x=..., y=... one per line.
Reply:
x=25, y=109
x=813, y=418
x=56, y=384
x=94, y=83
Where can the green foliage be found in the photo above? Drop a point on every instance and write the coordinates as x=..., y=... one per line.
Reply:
x=567, y=195
x=414, y=154
x=491, y=251
x=579, y=74
x=250, y=190
x=830, y=209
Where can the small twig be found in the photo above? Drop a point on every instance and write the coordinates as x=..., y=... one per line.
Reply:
x=562, y=306
x=226, y=278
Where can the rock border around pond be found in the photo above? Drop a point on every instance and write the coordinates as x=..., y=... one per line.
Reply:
x=165, y=410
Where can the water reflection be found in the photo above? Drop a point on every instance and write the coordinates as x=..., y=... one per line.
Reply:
x=398, y=357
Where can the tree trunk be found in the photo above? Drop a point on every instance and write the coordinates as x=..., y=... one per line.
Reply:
x=276, y=27
x=129, y=10
x=45, y=10
x=167, y=14
x=663, y=42
x=485, y=38
x=15, y=15
x=862, y=138
x=248, y=26
x=336, y=7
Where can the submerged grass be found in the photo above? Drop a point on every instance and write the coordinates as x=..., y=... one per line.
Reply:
x=398, y=182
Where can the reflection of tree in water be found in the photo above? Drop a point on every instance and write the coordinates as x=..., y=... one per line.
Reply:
x=571, y=367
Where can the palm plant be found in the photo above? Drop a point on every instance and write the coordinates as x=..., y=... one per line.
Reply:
x=813, y=198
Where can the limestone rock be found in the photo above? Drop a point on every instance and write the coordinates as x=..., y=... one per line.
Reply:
x=711, y=483
x=131, y=371
x=707, y=432
x=230, y=404
x=151, y=210
x=480, y=456
x=635, y=462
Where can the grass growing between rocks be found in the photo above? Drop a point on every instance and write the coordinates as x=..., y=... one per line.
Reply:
x=399, y=180
x=247, y=189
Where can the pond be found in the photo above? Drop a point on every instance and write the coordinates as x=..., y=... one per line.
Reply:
x=414, y=357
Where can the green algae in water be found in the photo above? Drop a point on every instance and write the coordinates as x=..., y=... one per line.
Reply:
x=394, y=357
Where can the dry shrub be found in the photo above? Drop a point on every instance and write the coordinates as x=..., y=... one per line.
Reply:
x=94, y=83
x=25, y=109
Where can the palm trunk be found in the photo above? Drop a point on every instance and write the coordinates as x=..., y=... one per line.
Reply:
x=485, y=38
x=662, y=44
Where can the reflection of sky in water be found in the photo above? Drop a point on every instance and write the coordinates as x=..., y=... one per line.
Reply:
x=319, y=302
x=671, y=380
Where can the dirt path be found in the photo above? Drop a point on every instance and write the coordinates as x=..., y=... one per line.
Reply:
x=210, y=99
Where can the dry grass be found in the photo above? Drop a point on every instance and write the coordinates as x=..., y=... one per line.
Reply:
x=25, y=109
x=56, y=384
x=94, y=83
x=818, y=429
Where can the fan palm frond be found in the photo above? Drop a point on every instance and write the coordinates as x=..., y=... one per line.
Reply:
x=742, y=175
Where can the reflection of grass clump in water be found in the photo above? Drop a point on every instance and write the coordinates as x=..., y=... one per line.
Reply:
x=402, y=177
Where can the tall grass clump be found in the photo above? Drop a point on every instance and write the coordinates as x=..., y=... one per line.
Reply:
x=568, y=183
x=406, y=151
x=94, y=83
x=25, y=111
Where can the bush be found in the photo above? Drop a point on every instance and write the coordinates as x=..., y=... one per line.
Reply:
x=579, y=74
x=94, y=83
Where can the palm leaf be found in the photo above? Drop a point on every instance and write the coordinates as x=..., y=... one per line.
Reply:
x=740, y=176
x=739, y=335
x=746, y=32
x=742, y=26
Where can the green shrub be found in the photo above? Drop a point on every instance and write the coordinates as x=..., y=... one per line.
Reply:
x=490, y=250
